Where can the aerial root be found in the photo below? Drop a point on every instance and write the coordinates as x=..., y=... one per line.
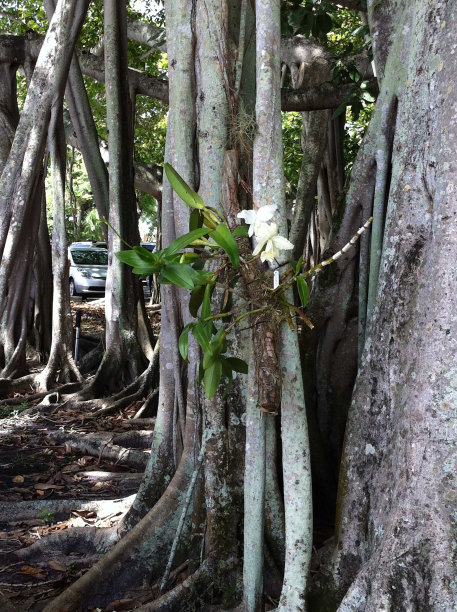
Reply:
x=151, y=538
x=100, y=445
x=27, y=384
x=87, y=541
x=61, y=509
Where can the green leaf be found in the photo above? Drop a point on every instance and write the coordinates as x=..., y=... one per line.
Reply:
x=298, y=265
x=206, y=306
x=211, y=379
x=241, y=230
x=142, y=261
x=201, y=277
x=195, y=220
x=183, y=241
x=183, y=342
x=186, y=194
x=209, y=359
x=224, y=238
x=196, y=298
x=202, y=335
x=178, y=274
x=217, y=342
x=238, y=365
x=303, y=290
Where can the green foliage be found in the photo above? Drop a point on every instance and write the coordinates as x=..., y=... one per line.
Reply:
x=223, y=237
x=183, y=269
x=46, y=515
x=291, y=134
x=303, y=290
x=355, y=130
x=8, y=411
x=347, y=37
x=308, y=18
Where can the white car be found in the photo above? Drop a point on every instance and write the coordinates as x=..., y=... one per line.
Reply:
x=88, y=267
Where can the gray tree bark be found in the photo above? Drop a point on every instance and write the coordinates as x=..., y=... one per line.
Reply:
x=60, y=366
x=124, y=359
x=396, y=526
x=20, y=197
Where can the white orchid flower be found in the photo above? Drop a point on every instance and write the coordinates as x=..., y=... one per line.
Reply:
x=256, y=217
x=267, y=236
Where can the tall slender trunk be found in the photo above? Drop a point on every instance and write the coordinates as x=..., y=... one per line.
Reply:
x=60, y=366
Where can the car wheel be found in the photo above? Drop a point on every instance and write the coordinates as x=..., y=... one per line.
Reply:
x=73, y=292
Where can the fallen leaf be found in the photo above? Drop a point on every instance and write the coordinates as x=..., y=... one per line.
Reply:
x=18, y=479
x=99, y=485
x=32, y=571
x=56, y=566
x=40, y=492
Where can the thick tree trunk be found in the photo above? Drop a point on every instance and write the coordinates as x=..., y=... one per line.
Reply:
x=124, y=359
x=396, y=523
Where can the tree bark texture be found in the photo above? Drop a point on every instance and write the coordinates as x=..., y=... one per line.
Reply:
x=60, y=366
x=123, y=360
x=396, y=524
x=20, y=196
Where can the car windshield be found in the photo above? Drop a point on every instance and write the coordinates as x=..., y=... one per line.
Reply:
x=86, y=257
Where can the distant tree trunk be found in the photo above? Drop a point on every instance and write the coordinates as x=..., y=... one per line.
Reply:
x=20, y=196
x=396, y=537
x=41, y=331
x=9, y=118
x=86, y=132
x=124, y=359
x=60, y=366
x=9, y=111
